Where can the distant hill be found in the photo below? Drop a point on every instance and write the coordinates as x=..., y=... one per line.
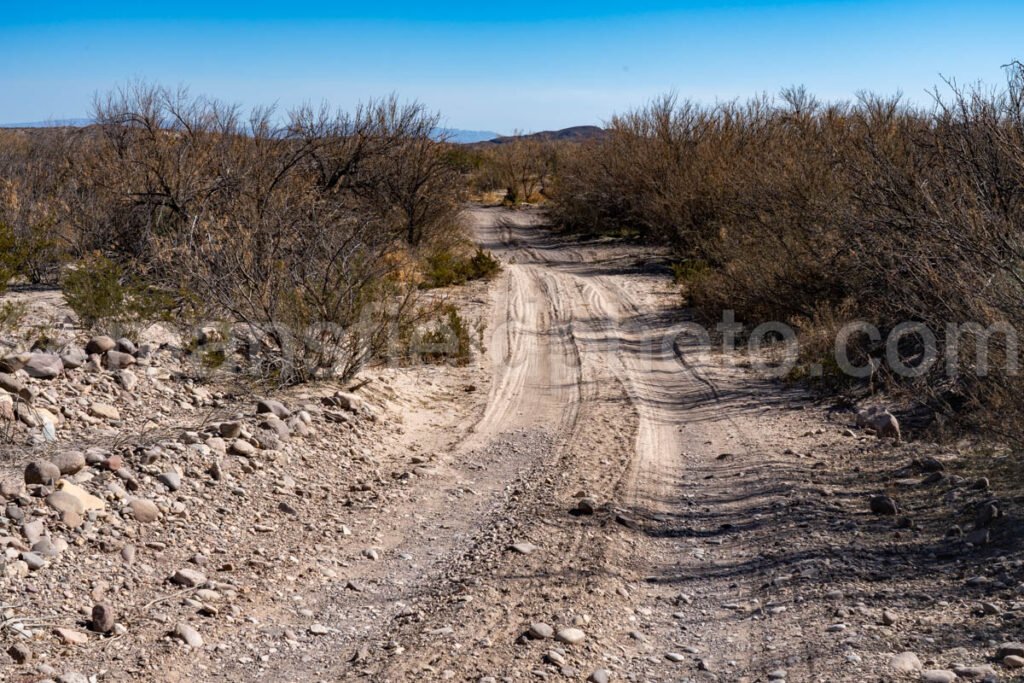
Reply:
x=54, y=123
x=573, y=134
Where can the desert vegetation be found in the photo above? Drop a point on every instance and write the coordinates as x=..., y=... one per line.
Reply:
x=310, y=228
x=817, y=214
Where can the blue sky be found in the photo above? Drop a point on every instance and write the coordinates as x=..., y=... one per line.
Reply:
x=501, y=66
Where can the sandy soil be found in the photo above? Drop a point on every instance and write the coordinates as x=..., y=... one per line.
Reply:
x=731, y=538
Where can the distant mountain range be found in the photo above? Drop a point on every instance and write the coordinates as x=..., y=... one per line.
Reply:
x=466, y=137
x=456, y=135
x=573, y=134
x=54, y=123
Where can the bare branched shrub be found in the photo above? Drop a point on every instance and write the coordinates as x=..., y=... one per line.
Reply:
x=304, y=228
x=810, y=213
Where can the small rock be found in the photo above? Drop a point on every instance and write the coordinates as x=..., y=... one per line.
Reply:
x=586, y=506
x=34, y=561
x=675, y=657
x=64, y=502
x=125, y=345
x=242, y=447
x=144, y=511
x=884, y=505
x=118, y=360
x=230, y=430
x=905, y=662
x=937, y=676
x=100, y=345
x=275, y=407
x=170, y=479
x=102, y=618
x=104, y=411
x=71, y=636
x=983, y=671
x=1009, y=649
x=1013, y=661
x=570, y=636
x=540, y=631
x=41, y=472
x=188, y=577
x=599, y=676
x=189, y=635
x=20, y=653
x=44, y=366
x=522, y=548
x=69, y=462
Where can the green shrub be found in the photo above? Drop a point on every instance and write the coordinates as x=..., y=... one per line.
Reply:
x=98, y=292
x=445, y=269
x=13, y=256
x=449, y=340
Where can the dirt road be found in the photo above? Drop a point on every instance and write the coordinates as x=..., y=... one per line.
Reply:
x=725, y=545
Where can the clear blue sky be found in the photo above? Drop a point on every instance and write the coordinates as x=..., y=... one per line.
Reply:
x=501, y=66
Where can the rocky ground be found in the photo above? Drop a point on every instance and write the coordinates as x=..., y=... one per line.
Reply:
x=598, y=496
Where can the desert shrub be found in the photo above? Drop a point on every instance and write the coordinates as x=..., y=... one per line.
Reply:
x=522, y=167
x=817, y=214
x=449, y=339
x=100, y=293
x=445, y=268
x=12, y=313
x=304, y=227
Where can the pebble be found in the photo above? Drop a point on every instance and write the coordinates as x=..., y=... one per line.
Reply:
x=71, y=636
x=1010, y=648
x=570, y=636
x=675, y=657
x=522, y=548
x=883, y=505
x=20, y=653
x=188, y=577
x=975, y=672
x=189, y=635
x=937, y=676
x=599, y=676
x=69, y=462
x=540, y=631
x=143, y=510
x=41, y=472
x=905, y=662
x=102, y=618
x=1013, y=661
x=170, y=479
